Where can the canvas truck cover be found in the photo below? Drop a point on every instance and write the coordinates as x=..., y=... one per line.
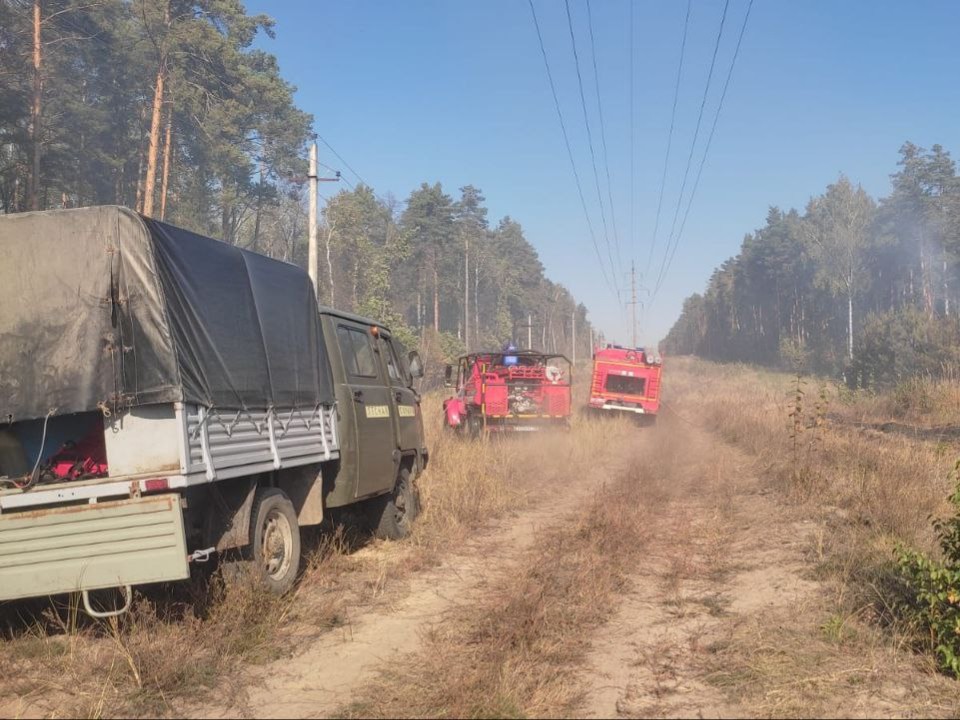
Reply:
x=101, y=307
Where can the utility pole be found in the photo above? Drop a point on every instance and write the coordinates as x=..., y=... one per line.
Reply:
x=312, y=241
x=573, y=336
x=529, y=326
x=466, y=291
x=34, y=192
x=634, y=302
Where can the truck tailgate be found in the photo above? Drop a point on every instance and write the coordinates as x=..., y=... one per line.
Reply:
x=87, y=547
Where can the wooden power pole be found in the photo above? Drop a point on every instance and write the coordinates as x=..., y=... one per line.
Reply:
x=573, y=336
x=466, y=292
x=35, y=109
x=314, y=186
x=312, y=230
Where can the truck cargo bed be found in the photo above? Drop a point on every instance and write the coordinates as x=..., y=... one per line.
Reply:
x=178, y=444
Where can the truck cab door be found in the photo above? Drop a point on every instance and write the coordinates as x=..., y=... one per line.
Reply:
x=370, y=394
x=408, y=419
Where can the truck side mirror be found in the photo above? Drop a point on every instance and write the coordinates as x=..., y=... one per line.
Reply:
x=448, y=376
x=416, y=364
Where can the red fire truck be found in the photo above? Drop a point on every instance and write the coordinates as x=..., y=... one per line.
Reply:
x=508, y=391
x=626, y=380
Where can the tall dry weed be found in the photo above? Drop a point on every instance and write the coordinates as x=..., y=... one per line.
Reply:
x=870, y=489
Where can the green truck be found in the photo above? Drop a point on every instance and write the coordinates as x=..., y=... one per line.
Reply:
x=165, y=397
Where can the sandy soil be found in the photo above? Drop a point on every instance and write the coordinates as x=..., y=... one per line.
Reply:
x=323, y=676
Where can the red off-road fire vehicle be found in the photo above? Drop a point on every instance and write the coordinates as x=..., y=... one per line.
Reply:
x=626, y=380
x=509, y=391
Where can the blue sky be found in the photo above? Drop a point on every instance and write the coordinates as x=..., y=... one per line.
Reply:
x=441, y=90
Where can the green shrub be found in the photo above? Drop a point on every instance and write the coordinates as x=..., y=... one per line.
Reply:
x=934, y=588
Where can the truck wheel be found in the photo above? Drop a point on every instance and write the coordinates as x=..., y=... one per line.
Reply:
x=474, y=426
x=275, y=536
x=392, y=515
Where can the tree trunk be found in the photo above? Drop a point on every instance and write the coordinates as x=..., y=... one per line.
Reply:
x=356, y=282
x=140, y=156
x=850, y=320
x=150, y=180
x=330, y=261
x=154, y=148
x=227, y=223
x=436, y=298
x=946, y=287
x=35, y=109
x=164, y=182
x=466, y=293
x=259, y=213
x=925, y=279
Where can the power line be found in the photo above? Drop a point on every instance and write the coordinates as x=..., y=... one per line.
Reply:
x=345, y=163
x=603, y=134
x=696, y=135
x=593, y=156
x=566, y=141
x=706, y=150
x=673, y=117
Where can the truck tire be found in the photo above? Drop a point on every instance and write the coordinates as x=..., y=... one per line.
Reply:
x=274, y=540
x=474, y=427
x=392, y=515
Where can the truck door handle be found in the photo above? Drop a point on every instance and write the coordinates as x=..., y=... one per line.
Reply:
x=358, y=396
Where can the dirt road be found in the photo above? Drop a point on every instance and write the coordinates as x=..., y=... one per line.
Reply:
x=717, y=552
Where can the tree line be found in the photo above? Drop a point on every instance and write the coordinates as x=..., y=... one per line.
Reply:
x=853, y=286
x=168, y=107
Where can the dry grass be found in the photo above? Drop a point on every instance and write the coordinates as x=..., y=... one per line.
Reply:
x=178, y=643
x=879, y=486
x=867, y=488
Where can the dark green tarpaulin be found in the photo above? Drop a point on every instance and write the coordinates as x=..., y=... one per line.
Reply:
x=102, y=307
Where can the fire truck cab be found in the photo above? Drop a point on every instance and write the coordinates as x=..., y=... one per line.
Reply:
x=626, y=380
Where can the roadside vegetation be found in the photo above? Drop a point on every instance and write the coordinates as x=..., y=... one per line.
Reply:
x=849, y=286
x=880, y=495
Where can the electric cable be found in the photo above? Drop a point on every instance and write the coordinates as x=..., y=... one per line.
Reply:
x=673, y=117
x=706, y=150
x=696, y=136
x=593, y=155
x=566, y=141
x=603, y=135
